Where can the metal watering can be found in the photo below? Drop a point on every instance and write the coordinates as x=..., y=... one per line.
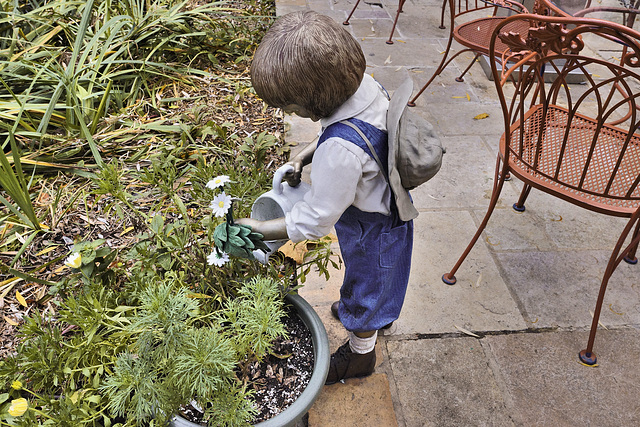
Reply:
x=276, y=203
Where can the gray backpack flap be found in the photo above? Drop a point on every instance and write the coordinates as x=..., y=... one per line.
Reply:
x=415, y=152
x=419, y=155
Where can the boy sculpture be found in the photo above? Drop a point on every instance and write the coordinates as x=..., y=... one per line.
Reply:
x=309, y=65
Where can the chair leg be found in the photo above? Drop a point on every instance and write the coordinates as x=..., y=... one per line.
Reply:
x=395, y=21
x=351, y=14
x=450, y=278
x=444, y=4
x=444, y=62
x=519, y=205
x=587, y=356
x=631, y=257
x=460, y=78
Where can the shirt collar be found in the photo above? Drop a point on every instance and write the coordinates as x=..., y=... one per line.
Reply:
x=356, y=104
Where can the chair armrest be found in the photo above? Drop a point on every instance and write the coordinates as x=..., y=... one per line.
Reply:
x=621, y=10
x=507, y=4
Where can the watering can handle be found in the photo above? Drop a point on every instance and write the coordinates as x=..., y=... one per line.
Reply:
x=277, y=177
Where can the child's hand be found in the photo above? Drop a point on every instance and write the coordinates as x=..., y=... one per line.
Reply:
x=293, y=178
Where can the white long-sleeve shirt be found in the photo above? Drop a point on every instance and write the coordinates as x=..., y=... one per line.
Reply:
x=343, y=174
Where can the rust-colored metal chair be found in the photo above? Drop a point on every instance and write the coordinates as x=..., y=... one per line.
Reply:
x=474, y=34
x=561, y=141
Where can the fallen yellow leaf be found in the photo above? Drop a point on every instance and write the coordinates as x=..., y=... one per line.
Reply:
x=613, y=311
x=10, y=321
x=46, y=250
x=295, y=251
x=481, y=116
x=21, y=299
x=125, y=231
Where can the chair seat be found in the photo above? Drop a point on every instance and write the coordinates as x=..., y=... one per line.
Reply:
x=561, y=169
x=476, y=34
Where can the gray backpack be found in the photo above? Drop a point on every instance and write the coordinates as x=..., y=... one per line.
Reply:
x=415, y=152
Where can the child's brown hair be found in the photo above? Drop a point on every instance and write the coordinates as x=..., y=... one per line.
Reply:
x=309, y=60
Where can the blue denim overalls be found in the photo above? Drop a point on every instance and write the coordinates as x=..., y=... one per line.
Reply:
x=376, y=249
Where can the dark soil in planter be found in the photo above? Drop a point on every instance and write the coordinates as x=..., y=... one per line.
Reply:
x=282, y=376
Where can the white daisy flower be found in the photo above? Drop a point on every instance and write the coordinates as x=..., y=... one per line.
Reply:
x=218, y=181
x=74, y=260
x=220, y=204
x=217, y=259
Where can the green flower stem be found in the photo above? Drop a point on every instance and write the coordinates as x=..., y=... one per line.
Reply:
x=39, y=412
x=230, y=214
x=96, y=415
x=36, y=395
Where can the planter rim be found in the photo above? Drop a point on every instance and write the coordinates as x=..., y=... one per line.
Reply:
x=321, y=357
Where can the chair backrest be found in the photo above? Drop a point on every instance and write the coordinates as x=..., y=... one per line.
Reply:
x=621, y=11
x=559, y=7
x=581, y=143
x=459, y=8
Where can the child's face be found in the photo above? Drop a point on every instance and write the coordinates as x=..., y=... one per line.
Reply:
x=300, y=111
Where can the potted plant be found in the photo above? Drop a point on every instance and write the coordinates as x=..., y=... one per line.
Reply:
x=321, y=355
x=183, y=355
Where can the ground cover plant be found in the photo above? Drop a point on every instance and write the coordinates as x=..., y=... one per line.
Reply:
x=115, y=120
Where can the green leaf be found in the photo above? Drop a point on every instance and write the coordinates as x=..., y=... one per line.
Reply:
x=157, y=224
x=236, y=241
x=220, y=234
x=233, y=230
x=102, y=252
x=94, y=399
x=248, y=243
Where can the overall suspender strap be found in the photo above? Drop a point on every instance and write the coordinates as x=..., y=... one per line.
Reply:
x=365, y=139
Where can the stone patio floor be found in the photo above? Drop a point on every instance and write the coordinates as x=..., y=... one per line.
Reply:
x=526, y=290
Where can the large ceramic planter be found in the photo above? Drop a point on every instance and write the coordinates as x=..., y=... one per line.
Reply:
x=321, y=355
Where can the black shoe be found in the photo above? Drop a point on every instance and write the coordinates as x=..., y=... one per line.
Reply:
x=334, y=311
x=347, y=364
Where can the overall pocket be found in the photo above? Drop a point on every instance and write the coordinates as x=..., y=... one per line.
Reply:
x=392, y=245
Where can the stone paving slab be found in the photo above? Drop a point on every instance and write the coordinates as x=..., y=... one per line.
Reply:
x=359, y=402
x=559, y=289
x=479, y=301
x=446, y=382
x=549, y=387
x=465, y=179
x=564, y=225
